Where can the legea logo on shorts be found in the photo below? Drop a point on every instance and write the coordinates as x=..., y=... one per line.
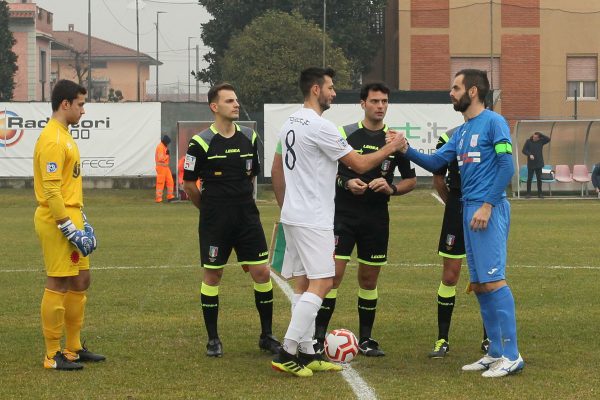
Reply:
x=9, y=137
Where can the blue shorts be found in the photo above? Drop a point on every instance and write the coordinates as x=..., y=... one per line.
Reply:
x=486, y=249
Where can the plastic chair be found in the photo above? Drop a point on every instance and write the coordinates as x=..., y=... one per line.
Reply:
x=523, y=176
x=581, y=175
x=548, y=177
x=563, y=174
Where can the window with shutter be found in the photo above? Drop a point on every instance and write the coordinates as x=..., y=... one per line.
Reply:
x=582, y=77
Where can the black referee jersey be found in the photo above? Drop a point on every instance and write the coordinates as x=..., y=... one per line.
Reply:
x=226, y=166
x=453, y=178
x=365, y=141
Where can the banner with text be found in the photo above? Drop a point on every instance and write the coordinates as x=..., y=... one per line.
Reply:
x=422, y=123
x=113, y=139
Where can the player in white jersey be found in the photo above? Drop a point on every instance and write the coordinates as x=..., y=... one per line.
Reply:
x=303, y=175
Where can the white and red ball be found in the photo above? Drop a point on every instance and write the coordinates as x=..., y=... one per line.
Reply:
x=341, y=345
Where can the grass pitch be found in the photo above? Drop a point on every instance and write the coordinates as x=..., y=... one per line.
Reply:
x=143, y=309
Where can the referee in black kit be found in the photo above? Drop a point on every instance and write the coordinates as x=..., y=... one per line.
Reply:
x=361, y=216
x=225, y=158
x=451, y=247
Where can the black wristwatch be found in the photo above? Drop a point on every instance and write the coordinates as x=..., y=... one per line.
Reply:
x=394, y=190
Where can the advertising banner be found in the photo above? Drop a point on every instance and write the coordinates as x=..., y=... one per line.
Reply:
x=114, y=139
x=422, y=123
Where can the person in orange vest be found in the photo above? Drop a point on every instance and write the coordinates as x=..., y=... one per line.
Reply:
x=163, y=172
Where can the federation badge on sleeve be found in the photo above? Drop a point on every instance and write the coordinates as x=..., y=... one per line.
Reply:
x=248, y=167
x=190, y=163
x=51, y=167
x=342, y=143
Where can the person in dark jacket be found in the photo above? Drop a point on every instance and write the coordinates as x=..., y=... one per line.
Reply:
x=535, y=160
x=596, y=178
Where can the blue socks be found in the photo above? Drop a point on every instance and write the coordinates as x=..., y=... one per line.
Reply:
x=498, y=314
x=490, y=321
x=505, y=312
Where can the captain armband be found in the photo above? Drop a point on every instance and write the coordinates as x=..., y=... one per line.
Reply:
x=503, y=148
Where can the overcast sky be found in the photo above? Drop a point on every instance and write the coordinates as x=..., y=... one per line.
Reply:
x=114, y=20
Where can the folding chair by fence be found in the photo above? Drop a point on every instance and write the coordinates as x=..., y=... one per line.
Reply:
x=581, y=175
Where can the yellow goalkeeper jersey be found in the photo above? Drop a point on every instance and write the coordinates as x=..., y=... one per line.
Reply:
x=56, y=158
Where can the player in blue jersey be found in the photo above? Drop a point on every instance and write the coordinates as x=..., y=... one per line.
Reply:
x=483, y=149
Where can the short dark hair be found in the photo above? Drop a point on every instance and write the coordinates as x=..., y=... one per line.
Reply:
x=65, y=90
x=477, y=78
x=313, y=75
x=213, y=93
x=375, y=87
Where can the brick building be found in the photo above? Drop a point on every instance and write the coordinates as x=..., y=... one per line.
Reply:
x=539, y=54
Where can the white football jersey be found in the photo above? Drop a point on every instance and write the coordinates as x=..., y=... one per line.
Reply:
x=310, y=148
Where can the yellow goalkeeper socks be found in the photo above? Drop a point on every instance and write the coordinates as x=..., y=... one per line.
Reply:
x=74, y=304
x=53, y=320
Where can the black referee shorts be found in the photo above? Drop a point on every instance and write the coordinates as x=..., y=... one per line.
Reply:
x=367, y=227
x=452, y=239
x=223, y=228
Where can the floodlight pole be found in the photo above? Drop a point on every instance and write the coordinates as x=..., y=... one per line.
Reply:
x=324, y=28
x=157, y=62
x=492, y=52
x=137, y=27
x=197, y=69
x=189, y=70
x=89, y=38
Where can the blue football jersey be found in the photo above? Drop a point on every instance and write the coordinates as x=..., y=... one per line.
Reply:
x=473, y=146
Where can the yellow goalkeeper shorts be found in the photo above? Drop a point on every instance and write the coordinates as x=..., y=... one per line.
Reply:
x=61, y=258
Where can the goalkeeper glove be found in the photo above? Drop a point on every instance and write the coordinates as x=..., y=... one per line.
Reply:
x=89, y=231
x=78, y=238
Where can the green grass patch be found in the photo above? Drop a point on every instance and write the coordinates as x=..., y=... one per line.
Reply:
x=143, y=309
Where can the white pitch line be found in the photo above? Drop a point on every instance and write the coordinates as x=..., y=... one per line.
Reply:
x=126, y=267
x=592, y=267
x=359, y=386
x=107, y=268
x=438, y=198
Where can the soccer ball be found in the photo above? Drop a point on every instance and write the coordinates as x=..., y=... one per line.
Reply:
x=341, y=345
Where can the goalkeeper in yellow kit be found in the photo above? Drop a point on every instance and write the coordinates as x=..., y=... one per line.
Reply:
x=65, y=235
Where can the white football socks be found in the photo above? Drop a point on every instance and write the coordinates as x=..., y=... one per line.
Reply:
x=302, y=323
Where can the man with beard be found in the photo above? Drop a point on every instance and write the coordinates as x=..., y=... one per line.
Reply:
x=483, y=149
x=303, y=175
x=362, y=217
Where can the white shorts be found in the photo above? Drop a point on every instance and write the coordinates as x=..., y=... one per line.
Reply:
x=308, y=252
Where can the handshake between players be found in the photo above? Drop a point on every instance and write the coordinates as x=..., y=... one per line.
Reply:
x=399, y=138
